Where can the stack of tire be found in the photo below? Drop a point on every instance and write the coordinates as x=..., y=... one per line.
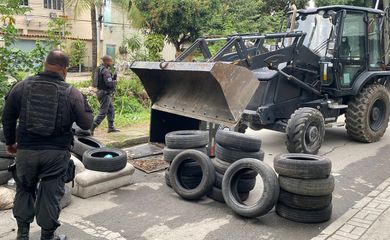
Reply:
x=5, y=161
x=179, y=141
x=83, y=141
x=231, y=147
x=306, y=187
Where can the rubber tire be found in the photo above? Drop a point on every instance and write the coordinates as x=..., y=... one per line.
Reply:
x=244, y=185
x=232, y=155
x=296, y=127
x=166, y=176
x=305, y=166
x=2, y=138
x=304, y=202
x=188, y=181
x=220, y=165
x=67, y=198
x=102, y=164
x=216, y=195
x=4, y=177
x=5, y=162
x=358, y=111
x=236, y=140
x=191, y=169
x=270, y=193
x=304, y=216
x=169, y=153
x=307, y=187
x=82, y=144
x=3, y=151
x=208, y=176
x=187, y=139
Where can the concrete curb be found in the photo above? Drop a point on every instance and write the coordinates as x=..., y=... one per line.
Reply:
x=129, y=142
x=356, y=221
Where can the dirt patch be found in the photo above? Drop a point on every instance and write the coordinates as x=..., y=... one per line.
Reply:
x=150, y=164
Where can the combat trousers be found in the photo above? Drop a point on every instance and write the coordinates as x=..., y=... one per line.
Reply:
x=106, y=109
x=44, y=169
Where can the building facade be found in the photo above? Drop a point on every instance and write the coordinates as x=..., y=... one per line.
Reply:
x=114, y=27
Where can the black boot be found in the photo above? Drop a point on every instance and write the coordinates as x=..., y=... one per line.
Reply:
x=113, y=129
x=23, y=231
x=50, y=235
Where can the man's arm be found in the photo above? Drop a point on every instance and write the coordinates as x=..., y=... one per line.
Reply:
x=81, y=110
x=11, y=113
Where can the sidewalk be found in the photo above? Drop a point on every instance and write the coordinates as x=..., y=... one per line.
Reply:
x=127, y=137
x=369, y=219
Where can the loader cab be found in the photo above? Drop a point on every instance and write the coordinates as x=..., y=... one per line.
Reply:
x=348, y=39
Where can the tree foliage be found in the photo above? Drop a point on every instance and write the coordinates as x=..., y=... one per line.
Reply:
x=181, y=21
x=77, y=53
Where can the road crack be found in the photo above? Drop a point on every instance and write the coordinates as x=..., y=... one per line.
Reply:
x=334, y=148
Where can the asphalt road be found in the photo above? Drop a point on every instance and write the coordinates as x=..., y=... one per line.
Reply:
x=150, y=210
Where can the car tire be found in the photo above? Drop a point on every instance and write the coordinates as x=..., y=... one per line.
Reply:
x=304, y=202
x=304, y=216
x=82, y=144
x=166, y=176
x=216, y=194
x=4, y=177
x=220, y=166
x=94, y=159
x=232, y=155
x=270, y=193
x=3, y=151
x=187, y=139
x=208, y=175
x=169, y=153
x=5, y=162
x=305, y=166
x=236, y=140
x=307, y=187
x=244, y=185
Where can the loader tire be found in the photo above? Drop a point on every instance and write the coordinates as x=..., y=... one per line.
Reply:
x=170, y=153
x=304, y=202
x=236, y=140
x=307, y=187
x=305, y=131
x=187, y=139
x=367, y=115
x=305, y=166
x=304, y=216
x=270, y=188
x=207, y=179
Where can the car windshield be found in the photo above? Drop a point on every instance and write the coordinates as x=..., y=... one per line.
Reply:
x=318, y=28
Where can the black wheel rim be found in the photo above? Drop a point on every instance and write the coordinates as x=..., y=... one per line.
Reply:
x=312, y=137
x=377, y=115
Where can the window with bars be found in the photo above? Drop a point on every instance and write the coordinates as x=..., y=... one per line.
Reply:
x=52, y=4
x=24, y=2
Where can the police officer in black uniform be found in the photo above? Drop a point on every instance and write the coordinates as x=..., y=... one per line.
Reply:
x=106, y=84
x=46, y=108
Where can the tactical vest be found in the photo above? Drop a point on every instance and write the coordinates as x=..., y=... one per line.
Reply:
x=45, y=108
x=102, y=84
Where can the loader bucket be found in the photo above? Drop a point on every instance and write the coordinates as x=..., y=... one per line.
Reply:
x=214, y=92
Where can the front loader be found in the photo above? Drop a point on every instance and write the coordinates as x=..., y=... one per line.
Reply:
x=330, y=61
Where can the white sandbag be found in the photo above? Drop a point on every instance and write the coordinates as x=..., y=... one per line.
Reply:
x=7, y=197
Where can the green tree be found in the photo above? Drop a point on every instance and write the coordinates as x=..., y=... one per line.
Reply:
x=155, y=44
x=181, y=21
x=58, y=30
x=77, y=53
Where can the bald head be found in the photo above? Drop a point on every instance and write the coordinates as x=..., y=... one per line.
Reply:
x=107, y=60
x=57, y=61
